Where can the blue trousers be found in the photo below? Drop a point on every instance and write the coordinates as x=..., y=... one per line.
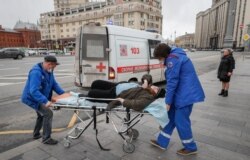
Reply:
x=179, y=118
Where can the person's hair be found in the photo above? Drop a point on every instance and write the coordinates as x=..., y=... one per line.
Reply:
x=147, y=77
x=230, y=51
x=162, y=50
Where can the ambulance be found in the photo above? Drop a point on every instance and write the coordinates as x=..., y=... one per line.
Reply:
x=116, y=54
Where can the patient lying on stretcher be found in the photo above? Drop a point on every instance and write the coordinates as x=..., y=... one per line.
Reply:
x=129, y=94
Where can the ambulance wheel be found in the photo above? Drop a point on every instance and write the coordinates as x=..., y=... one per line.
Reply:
x=134, y=133
x=128, y=147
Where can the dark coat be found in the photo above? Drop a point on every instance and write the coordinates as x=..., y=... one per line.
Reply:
x=135, y=98
x=232, y=61
x=226, y=65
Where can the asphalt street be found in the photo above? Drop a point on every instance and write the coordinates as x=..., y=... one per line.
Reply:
x=17, y=120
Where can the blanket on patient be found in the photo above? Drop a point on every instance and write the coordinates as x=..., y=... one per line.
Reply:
x=157, y=108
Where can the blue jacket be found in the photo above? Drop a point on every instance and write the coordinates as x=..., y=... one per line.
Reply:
x=183, y=86
x=39, y=87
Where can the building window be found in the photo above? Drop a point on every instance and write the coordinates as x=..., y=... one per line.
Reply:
x=73, y=23
x=130, y=23
x=61, y=30
x=67, y=30
x=130, y=6
x=130, y=15
x=142, y=15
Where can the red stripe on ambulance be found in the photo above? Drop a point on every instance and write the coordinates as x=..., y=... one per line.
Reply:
x=139, y=68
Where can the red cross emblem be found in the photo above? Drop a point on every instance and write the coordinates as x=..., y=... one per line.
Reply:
x=100, y=67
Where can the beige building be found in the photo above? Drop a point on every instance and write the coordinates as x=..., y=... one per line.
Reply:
x=185, y=41
x=213, y=26
x=67, y=4
x=59, y=27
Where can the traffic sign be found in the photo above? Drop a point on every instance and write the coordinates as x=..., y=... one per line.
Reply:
x=110, y=22
x=246, y=37
x=241, y=26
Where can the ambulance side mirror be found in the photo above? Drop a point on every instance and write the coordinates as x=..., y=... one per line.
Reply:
x=108, y=50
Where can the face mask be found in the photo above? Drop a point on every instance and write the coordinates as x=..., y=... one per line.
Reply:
x=50, y=70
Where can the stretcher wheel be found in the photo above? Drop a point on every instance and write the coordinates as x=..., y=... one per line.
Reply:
x=77, y=131
x=128, y=147
x=66, y=143
x=134, y=133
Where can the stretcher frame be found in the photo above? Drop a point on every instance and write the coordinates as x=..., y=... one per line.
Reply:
x=126, y=131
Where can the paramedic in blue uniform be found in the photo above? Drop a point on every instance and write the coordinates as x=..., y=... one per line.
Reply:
x=37, y=95
x=183, y=89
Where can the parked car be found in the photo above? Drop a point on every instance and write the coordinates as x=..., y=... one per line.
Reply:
x=12, y=53
x=31, y=52
x=192, y=49
x=55, y=52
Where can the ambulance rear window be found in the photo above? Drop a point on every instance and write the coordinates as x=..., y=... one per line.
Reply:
x=95, y=49
x=94, y=46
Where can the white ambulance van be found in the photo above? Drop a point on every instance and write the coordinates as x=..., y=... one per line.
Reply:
x=115, y=54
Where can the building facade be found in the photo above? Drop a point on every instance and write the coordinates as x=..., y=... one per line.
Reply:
x=185, y=41
x=226, y=21
x=58, y=28
x=60, y=5
x=23, y=35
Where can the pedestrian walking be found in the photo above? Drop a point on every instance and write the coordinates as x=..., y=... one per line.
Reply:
x=183, y=89
x=37, y=94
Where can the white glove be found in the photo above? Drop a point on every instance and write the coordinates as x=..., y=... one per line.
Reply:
x=48, y=104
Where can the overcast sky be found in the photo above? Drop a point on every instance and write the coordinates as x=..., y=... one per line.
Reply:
x=178, y=15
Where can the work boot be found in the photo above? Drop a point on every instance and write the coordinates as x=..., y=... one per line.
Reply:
x=222, y=92
x=50, y=141
x=185, y=152
x=154, y=143
x=225, y=93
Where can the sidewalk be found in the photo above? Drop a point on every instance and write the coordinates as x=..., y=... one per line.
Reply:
x=221, y=128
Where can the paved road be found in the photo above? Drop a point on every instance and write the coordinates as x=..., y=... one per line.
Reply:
x=14, y=116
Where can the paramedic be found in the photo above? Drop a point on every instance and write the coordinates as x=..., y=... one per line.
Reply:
x=183, y=89
x=37, y=95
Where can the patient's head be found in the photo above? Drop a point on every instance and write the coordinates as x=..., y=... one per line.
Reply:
x=146, y=80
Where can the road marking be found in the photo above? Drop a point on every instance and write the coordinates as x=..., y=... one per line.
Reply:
x=7, y=84
x=27, y=131
x=71, y=124
x=73, y=120
x=8, y=69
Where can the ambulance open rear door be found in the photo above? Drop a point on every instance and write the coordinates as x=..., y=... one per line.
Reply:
x=93, y=55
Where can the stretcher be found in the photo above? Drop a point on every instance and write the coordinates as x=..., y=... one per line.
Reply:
x=126, y=124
